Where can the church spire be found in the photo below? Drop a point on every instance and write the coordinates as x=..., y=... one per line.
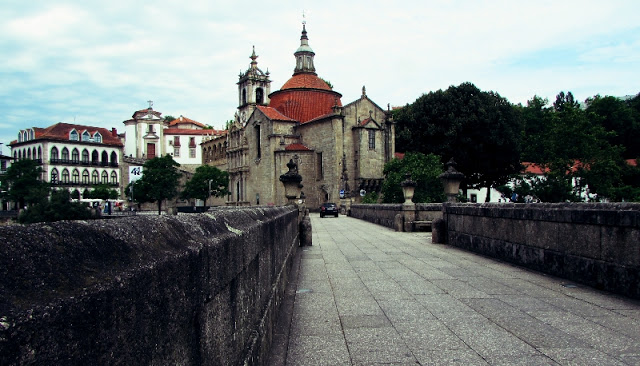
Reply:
x=304, y=55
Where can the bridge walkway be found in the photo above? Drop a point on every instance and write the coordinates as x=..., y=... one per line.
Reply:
x=366, y=295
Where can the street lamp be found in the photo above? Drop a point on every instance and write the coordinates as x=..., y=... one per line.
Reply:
x=451, y=181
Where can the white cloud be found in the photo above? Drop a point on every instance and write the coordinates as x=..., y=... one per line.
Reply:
x=100, y=63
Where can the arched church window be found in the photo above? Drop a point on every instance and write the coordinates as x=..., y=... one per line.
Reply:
x=244, y=96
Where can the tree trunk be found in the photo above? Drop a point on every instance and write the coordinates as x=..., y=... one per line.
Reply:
x=488, y=198
x=159, y=207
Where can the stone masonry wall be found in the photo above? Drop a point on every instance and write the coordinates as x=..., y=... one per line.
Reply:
x=380, y=214
x=594, y=244
x=196, y=289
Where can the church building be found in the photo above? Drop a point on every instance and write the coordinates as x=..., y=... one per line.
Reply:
x=340, y=149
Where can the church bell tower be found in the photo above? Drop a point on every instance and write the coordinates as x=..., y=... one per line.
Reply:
x=254, y=88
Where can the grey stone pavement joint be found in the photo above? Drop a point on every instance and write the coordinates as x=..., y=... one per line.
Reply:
x=366, y=295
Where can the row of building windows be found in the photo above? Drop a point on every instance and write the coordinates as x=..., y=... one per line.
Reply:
x=85, y=178
x=86, y=136
x=28, y=135
x=63, y=156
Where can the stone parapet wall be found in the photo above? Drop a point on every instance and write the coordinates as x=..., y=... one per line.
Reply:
x=380, y=214
x=384, y=214
x=198, y=289
x=594, y=244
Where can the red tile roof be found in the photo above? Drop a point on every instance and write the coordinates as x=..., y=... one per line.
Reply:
x=296, y=147
x=185, y=120
x=305, y=80
x=60, y=132
x=304, y=104
x=274, y=115
x=190, y=131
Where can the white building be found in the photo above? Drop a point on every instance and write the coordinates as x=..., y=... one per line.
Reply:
x=148, y=135
x=73, y=156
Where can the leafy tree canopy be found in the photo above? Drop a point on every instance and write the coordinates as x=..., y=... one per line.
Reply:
x=198, y=185
x=23, y=183
x=103, y=192
x=58, y=207
x=424, y=170
x=159, y=181
x=480, y=130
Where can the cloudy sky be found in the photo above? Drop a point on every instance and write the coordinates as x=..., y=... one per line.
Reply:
x=96, y=62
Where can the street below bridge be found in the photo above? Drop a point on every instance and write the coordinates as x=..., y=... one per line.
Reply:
x=366, y=295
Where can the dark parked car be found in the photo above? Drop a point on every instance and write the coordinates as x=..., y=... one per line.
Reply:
x=328, y=209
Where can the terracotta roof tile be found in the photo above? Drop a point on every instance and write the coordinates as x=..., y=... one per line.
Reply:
x=305, y=80
x=185, y=120
x=273, y=114
x=304, y=104
x=296, y=147
x=60, y=132
x=190, y=131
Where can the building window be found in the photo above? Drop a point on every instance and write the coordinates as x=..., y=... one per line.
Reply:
x=85, y=156
x=192, y=142
x=258, y=150
x=54, y=176
x=319, y=166
x=97, y=137
x=105, y=177
x=114, y=178
x=73, y=135
x=105, y=159
x=54, y=154
x=176, y=140
x=95, y=157
x=176, y=152
x=75, y=156
x=65, y=155
x=3, y=165
x=65, y=176
x=95, y=177
x=192, y=152
x=372, y=139
x=86, y=136
x=85, y=177
x=244, y=96
x=75, y=176
x=114, y=159
x=259, y=96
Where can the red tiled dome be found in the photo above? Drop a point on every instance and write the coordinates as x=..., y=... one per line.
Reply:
x=305, y=80
x=304, y=104
x=304, y=97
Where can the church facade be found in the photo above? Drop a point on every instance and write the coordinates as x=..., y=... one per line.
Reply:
x=340, y=150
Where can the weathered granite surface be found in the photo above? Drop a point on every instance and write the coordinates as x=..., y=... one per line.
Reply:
x=197, y=289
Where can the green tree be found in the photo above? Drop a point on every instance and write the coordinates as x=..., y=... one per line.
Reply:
x=103, y=192
x=480, y=130
x=617, y=116
x=574, y=148
x=169, y=118
x=159, y=181
x=198, y=185
x=424, y=170
x=58, y=207
x=23, y=183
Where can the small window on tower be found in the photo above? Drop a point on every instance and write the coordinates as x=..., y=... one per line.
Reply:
x=259, y=96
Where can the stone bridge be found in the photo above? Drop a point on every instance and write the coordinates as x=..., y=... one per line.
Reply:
x=207, y=289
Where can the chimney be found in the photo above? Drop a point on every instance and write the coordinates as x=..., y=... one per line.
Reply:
x=114, y=132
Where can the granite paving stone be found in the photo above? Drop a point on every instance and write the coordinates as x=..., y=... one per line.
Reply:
x=366, y=295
